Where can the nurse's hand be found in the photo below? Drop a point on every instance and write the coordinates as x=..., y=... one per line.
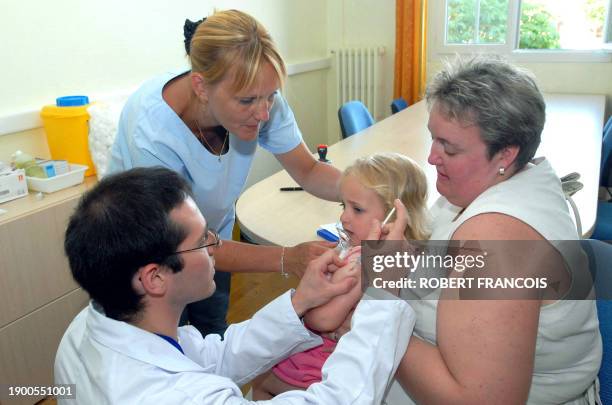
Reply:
x=299, y=256
x=316, y=287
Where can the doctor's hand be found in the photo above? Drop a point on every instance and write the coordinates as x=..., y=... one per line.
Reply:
x=316, y=287
x=392, y=230
x=297, y=257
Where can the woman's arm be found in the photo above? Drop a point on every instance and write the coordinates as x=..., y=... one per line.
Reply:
x=330, y=316
x=318, y=178
x=243, y=257
x=485, y=349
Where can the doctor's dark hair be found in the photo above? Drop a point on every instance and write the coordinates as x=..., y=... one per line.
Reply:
x=120, y=225
x=502, y=100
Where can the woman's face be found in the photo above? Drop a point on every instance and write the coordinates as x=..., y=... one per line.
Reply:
x=361, y=206
x=460, y=157
x=243, y=113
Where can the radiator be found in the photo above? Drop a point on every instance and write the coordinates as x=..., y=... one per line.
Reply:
x=358, y=76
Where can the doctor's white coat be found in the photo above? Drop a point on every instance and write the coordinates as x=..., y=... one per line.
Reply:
x=113, y=362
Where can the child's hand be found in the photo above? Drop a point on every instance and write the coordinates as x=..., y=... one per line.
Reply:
x=342, y=329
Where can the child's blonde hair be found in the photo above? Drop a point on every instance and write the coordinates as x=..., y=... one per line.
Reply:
x=391, y=176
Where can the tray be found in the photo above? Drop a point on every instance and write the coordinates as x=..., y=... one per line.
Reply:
x=75, y=176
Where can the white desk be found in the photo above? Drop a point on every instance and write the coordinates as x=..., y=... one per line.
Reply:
x=571, y=140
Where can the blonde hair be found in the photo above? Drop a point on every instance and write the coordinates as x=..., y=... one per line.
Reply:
x=229, y=40
x=391, y=176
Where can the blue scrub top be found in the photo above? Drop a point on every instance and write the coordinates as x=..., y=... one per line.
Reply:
x=150, y=133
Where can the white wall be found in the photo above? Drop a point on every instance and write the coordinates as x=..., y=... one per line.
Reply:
x=102, y=47
x=361, y=23
x=98, y=48
x=91, y=47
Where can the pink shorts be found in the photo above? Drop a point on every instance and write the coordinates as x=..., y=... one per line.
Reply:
x=303, y=369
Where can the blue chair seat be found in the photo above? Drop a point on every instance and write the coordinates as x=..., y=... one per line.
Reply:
x=398, y=105
x=603, y=222
x=600, y=257
x=354, y=117
x=605, y=174
x=603, y=225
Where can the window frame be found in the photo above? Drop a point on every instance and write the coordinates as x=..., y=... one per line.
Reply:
x=437, y=33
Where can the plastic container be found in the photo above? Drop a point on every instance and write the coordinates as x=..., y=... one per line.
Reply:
x=73, y=177
x=66, y=126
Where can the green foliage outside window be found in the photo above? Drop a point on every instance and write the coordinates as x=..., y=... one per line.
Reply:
x=538, y=30
x=462, y=21
x=537, y=25
x=595, y=11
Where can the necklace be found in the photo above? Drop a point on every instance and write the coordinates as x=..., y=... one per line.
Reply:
x=202, y=137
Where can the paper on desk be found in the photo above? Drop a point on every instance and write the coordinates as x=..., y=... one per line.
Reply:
x=3, y=211
x=328, y=232
x=330, y=227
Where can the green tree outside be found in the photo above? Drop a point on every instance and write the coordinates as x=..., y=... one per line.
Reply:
x=462, y=21
x=537, y=29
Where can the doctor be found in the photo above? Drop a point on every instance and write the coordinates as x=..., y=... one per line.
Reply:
x=140, y=247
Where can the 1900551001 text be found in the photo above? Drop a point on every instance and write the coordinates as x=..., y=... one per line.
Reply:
x=8, y=391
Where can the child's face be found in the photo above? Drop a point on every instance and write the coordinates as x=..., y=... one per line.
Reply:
x=361, y=206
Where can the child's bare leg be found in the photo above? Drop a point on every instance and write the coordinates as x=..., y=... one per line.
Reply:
x=267, y=386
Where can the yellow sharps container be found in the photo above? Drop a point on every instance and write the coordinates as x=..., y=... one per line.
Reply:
x=66, y=126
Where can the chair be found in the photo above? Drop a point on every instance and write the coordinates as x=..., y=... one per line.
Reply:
x=603, y=221
x=600, y=257
x=608, y=125
x=605, y=173
x=398, y=105
x=354, y=117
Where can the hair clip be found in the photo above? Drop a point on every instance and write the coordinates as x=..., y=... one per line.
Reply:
x=189, y=28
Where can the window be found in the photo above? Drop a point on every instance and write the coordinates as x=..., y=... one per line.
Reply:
x=570, y=29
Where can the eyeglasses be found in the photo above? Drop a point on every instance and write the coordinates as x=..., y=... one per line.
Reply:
x=212, y=235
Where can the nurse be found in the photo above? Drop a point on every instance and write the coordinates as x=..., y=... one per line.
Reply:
x=142, y=250
x=205, y=124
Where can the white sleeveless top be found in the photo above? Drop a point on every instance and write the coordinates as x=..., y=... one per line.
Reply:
x=568, y=346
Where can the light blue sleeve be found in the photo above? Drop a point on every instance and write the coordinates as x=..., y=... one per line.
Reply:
x=280, y=134
x=140, y=150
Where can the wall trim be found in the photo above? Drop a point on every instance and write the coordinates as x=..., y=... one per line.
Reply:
x=20, y=121
x=311, y=66
x=30, y=119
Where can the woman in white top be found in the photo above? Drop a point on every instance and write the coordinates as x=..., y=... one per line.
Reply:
x=486, y=119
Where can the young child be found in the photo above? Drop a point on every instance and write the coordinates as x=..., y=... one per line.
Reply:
x=368, y=188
